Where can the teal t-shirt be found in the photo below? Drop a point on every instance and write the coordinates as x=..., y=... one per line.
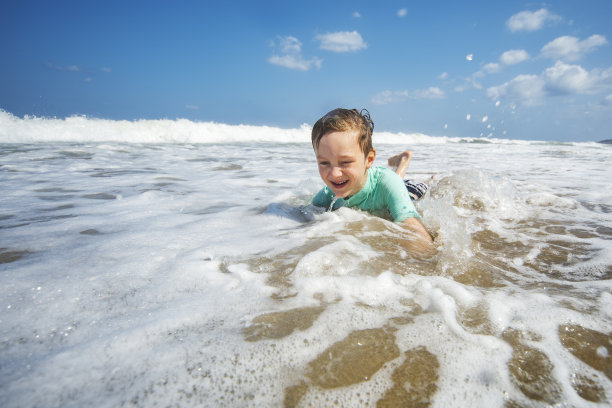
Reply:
x=384, y=194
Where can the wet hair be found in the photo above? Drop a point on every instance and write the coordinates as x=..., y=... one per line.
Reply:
x=341, y=120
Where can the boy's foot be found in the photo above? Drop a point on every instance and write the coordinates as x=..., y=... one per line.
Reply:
x=401, y=162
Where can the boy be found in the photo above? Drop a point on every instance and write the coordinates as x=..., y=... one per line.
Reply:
x=342, y=141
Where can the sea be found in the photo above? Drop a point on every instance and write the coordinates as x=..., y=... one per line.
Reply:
x=173, y=263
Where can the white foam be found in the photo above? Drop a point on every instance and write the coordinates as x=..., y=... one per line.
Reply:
x=144, y=263
x=32, y=129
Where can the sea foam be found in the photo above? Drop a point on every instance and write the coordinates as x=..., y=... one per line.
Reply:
x=182, y=271
x=31, y=129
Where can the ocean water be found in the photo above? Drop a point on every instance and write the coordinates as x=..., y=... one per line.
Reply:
x=174, y=263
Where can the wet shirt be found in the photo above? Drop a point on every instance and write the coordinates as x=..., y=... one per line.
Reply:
x=383, y=194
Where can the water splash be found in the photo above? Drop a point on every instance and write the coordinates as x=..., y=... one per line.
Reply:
x=331, y=205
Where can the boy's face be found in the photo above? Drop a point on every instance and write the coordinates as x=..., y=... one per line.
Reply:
x=342, y=164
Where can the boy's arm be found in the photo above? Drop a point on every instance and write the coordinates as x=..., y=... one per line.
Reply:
x=402, y=210
x=421, y=242
x=322, y=198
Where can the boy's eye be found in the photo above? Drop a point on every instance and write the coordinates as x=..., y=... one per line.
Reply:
x=323, y=163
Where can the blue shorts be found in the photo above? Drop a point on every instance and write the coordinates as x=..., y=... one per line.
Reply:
x=415, y=190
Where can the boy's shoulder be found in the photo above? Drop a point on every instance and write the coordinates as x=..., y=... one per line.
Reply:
x=384, y=175
x=383, y=171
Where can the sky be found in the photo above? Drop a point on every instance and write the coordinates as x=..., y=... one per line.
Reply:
x=501, y=69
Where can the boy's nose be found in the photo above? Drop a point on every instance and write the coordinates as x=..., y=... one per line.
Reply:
x=336, y=171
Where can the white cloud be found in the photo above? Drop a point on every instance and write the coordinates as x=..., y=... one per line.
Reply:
x=432, y=92
x=384, y=98
x=443, y=75
x=491, y=67
x=387, y=96
x=560, y=79
x=356, y=14
x=513, y=57
x=291, y=50
x=290, y=45
x=341, y=41
x=105, y=69
x=401, y=13
x=568, y=48
x=531, y=20
x=573, y=79
x=608, y=100
x=469, y=57
x=510, y=57
x=295, y=62
x=72, y=68
x=192, y=107
x=526, y=88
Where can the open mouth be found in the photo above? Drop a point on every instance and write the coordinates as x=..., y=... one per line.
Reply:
x=339, y=184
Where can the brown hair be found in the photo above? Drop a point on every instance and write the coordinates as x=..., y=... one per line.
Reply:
x=340, y=120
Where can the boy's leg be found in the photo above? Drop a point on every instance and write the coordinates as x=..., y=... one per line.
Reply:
x=401, y=162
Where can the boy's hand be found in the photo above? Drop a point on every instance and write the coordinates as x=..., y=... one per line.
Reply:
x=421, y=243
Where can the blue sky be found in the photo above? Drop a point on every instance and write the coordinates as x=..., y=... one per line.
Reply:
x=519, y=70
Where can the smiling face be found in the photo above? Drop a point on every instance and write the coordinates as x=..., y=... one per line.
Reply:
x=342, y=165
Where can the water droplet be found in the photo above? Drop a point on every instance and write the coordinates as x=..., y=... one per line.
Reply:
x=331, y=206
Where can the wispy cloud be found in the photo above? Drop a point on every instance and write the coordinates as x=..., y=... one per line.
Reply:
x=290, y=45
x=528, y=89
x=570, y=49
x=511, y=57
x=341, y=41
x=71, y=68
x=573, y=79
x=356, y=14
x=560, y=79
x=386, y=97
x=489, y=68
x=105, y=69
x=401, y=13
x=290, y=55
x=531, y=20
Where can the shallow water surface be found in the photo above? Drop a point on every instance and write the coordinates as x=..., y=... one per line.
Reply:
x=199, y=275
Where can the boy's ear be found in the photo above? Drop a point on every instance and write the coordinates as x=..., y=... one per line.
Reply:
x=370, y=158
